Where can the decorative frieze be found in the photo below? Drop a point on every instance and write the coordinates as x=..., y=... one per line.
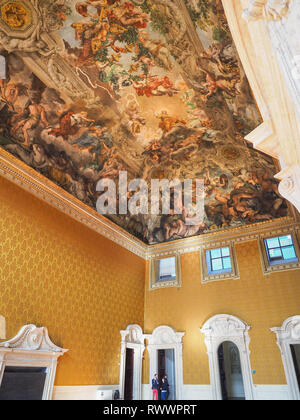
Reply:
x=2, y=328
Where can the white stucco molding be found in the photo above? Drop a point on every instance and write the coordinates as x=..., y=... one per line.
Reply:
x=132, y=338
x=165, y=338
x=264, y=139
x=217, y=330
x=288, y=334
x=268, y=50
x=266, y=9
x=289, y=186
x=32, y=347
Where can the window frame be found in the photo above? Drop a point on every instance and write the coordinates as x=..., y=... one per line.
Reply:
x=208, y=276
x=267, y=265
x=154, y=283
x=210, y=259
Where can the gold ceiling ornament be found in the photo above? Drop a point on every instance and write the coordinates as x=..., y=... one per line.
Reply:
x=16, y=15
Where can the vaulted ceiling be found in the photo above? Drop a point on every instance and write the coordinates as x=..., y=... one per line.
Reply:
x=151, y=87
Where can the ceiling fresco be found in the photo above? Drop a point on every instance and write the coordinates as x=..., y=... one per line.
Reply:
x=151, y=87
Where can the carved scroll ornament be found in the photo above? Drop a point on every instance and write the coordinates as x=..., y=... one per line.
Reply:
x=273, y=10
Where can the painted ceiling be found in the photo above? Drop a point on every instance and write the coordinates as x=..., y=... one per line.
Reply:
x=151, y=87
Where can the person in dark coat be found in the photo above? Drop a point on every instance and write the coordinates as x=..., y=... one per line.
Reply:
x=168, y=386
x=164, y=389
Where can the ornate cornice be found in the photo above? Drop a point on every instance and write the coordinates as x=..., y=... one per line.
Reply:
x=270, y=10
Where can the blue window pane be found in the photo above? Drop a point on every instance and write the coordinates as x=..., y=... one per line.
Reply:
x=225, y=252
x=167, y=268
x=286, y=240
x=217, y=264
x=275, y=253
x=227, y=263
x=215, y=253
x=273, y=243
x=289, y=253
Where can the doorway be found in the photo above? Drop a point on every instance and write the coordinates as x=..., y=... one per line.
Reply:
x=231, y=378
x=166, y=366
x=295, y=349
x=129, y=372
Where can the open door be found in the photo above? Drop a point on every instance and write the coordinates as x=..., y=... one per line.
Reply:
x=231, y=377
x=129, y=372
x=170, y=371
x=295, y=349
x=166, y=366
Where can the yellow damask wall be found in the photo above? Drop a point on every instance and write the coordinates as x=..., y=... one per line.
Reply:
x=55, y=272
x=261, y=301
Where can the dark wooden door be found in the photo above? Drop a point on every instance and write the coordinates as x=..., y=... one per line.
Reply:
x=129, y=367
x=222, y=372
x=161, y=370
x=295, y=349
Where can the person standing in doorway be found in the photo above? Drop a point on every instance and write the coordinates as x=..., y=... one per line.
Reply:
x=164, y=389
x=155, y=387
x=168, y=386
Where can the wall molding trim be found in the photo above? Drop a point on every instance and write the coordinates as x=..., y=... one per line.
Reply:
x=223, y=237
x=287, y=335
x=83, y=393
x=190, y=392
x=32, y=347
x=132, y=338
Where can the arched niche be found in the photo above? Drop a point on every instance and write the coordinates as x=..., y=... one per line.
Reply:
x=132, y=338
x=288, y=336
x=227, y=328
x=165, y=338
x=31, y=348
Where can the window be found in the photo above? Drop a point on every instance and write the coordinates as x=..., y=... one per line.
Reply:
x=281, y=250
x=165, y=272
x=218, y=261
x=167, y=269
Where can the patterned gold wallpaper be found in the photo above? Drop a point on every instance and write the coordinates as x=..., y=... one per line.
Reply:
x=57, y=273
x=261, y=301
